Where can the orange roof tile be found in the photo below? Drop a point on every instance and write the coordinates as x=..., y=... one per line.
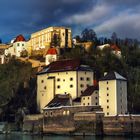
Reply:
x=19, y=38
x=115, y=48
x=51, y=51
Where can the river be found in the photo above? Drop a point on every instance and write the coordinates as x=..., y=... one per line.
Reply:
x=29, y=137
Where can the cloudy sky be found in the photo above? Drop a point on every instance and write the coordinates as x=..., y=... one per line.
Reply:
x=104, y=16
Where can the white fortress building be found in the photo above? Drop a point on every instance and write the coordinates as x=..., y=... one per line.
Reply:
x=62, y=77
x=113, y=94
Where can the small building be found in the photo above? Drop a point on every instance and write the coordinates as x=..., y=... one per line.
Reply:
x=62, y=77
x=51, y=56
x=114, y=49
x=17, y=47
x=113, y=94
x=90, y=96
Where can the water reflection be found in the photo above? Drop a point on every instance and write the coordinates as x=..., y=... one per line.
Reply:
x=28, y=137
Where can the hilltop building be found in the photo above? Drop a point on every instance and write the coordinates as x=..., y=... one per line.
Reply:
x=62, y=77
x=51, y=55
x=114, y=48
x=113, y=94
x=44, y=38
x=17, y=47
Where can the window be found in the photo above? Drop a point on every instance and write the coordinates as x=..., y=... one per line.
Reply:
x=107, y=106
x=107, y=82
x=88, y=78
x=107, y=113
x=58, y=86
x=96, y=103
x=107, y=101
x=63, y=80
x=58, y=79
x=45, y=87
x=85, y=73
x=66, y=72
x=71, y=86
x=68, y=112
x=96, y=97
x=71, y=79
x=64, y=112
x=88, y=104
x=107, y=94
x=81, y=78
x=22, y=44
x=46, y=114
x=83, y=103
x=88, y=97
x=51, y=113
x=83, y=98
x=81, y=91
x=42, y=81
x=107, y=88
x=81, y=85
x=18, y=44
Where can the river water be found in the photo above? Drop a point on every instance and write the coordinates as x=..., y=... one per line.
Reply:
x=29, y=137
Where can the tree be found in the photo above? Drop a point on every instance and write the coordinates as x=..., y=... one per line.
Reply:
x=88, y=35
x=114, y=38
x=78, y=39
x=55, y=40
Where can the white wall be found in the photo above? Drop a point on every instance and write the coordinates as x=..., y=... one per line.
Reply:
x=116, y=99
x=65, y=83
x=84, y=83
x=90, y=100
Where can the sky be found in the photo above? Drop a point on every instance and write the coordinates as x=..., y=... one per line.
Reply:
x=103, y=16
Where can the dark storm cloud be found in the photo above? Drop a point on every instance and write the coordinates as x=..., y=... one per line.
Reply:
x=18, y=16
x=105, y=16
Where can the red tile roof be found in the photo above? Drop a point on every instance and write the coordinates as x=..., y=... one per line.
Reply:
x=19, y=38
x=64, y=65
x=51, y=51
x=115, y=47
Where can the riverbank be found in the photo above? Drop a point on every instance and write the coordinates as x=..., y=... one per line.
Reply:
x=83, y=124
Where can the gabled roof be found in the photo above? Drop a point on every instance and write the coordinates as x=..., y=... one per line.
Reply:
x=115, y=48
x=19, y=38
x=59, y=100
x=113, y=76
x=89, y=91
x=65, y=65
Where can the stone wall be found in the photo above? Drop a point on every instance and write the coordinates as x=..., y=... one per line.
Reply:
x=33, y=123
x=76, y=120
x=79, y=119
x=115, y=125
